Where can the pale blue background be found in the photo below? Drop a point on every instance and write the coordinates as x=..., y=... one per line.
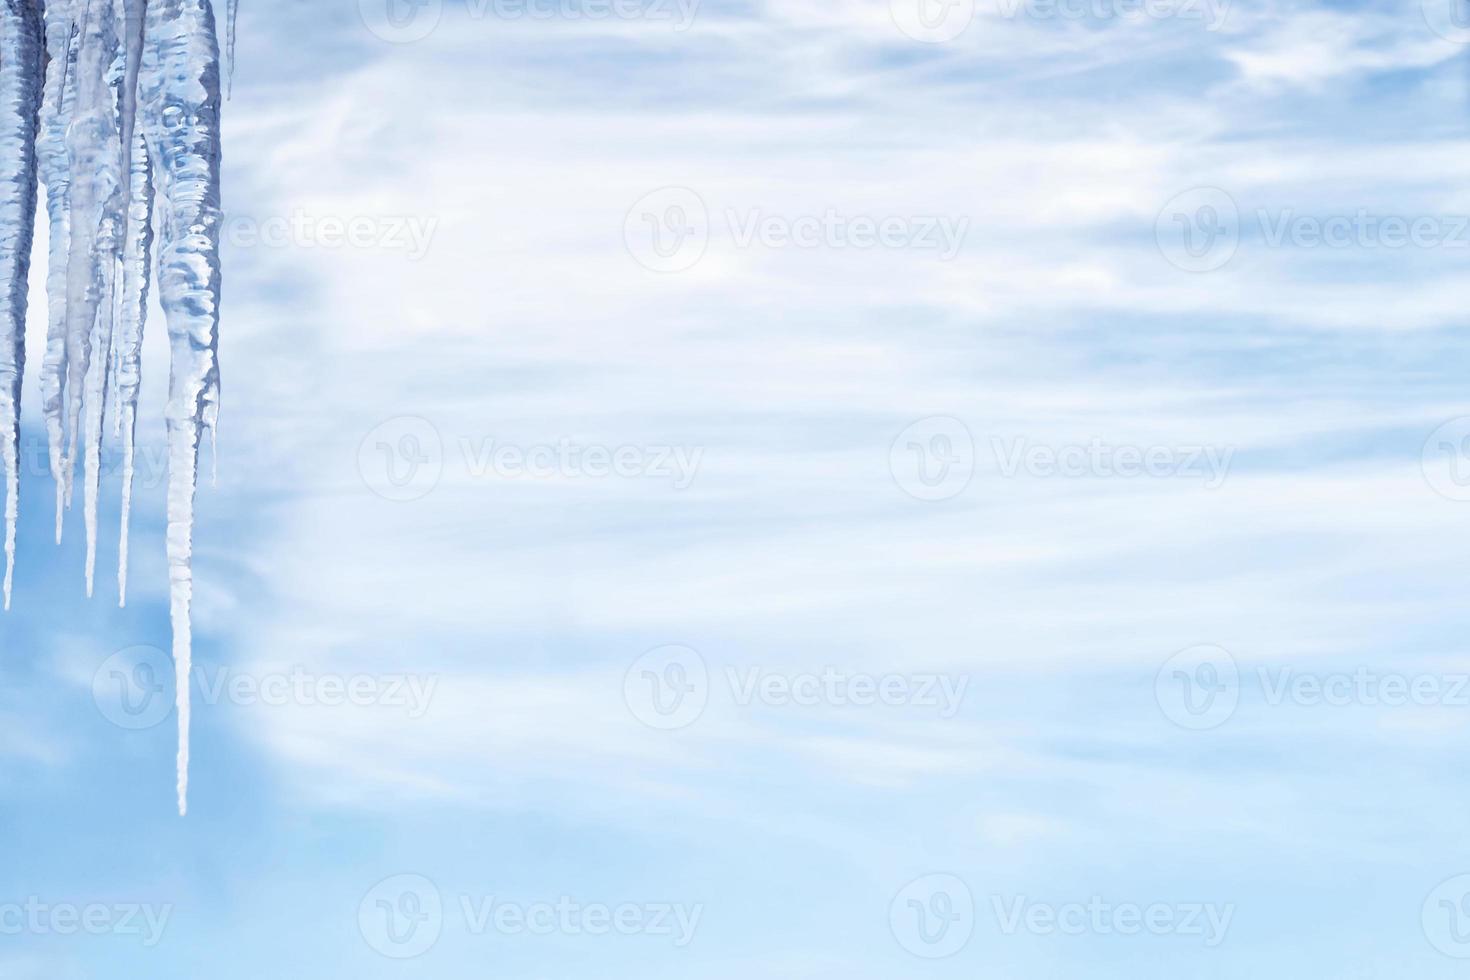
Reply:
x=528, y=321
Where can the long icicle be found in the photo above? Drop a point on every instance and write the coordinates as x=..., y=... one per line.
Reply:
x=231, y=14
x=96, y=209
x=81, y=246
x=179, y=108
x=112, y=184
x=55, y=167
x=133, y=311
x=20, y=95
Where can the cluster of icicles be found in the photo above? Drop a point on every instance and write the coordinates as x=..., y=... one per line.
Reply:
x=115, y=106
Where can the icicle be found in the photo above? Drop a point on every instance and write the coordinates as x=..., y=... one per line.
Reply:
x=231, y=14
x=20, y=96
x=55, y=167
x=178, y=107
x=110, y=394
x=97, y=186
x=95, y=403
x=81, y=208
x=134, y=301
x=211, y=425
x=114, y=122
x=126, y=109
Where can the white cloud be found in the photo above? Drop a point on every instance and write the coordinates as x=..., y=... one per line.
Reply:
x=528, y=320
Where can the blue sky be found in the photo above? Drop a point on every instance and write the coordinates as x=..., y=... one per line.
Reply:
x=852, y=504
